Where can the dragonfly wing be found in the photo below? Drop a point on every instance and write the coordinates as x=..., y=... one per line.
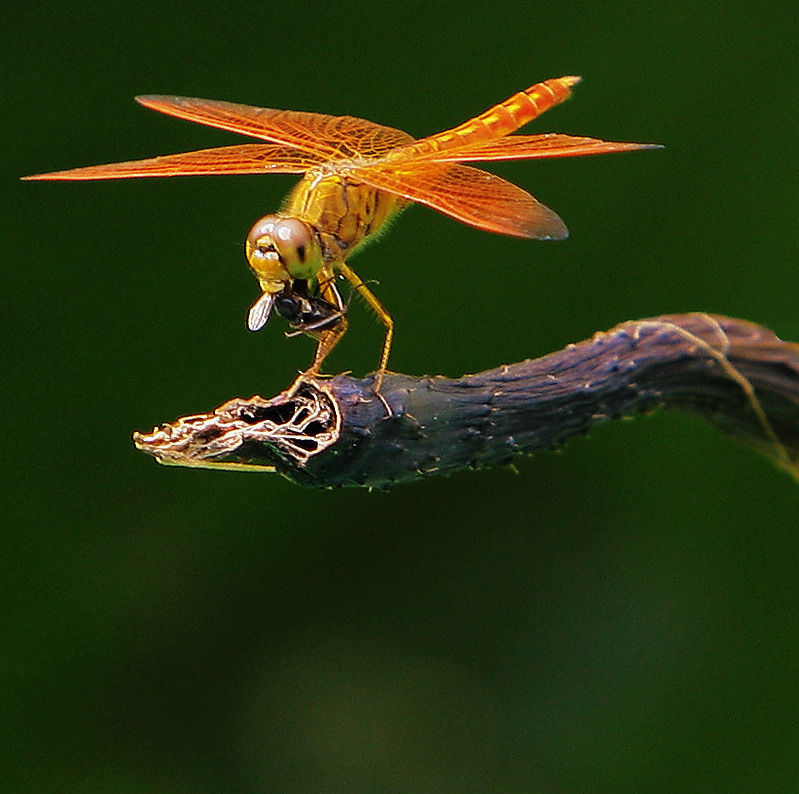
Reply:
x=249, y=158
x=529, y=147
x=325, y=137
x=471, y=196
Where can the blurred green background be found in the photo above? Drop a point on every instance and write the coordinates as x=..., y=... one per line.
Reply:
x=620, y=616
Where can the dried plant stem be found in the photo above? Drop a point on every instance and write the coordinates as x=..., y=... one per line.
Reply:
x=339, y=431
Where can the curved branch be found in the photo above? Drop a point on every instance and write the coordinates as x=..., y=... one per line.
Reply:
x=333, y=432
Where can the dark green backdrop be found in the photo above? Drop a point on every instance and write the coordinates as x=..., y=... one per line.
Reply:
x=620, y=616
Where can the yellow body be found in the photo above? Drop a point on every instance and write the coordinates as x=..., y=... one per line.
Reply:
x=342, y=212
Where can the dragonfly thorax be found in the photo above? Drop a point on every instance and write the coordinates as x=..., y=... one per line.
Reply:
x=343, y=211
x=280, y=249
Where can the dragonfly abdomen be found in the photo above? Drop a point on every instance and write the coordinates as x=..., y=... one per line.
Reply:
x=497, y=121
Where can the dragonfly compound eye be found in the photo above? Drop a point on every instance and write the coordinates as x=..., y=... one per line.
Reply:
x=263, y=256
x=298, y=247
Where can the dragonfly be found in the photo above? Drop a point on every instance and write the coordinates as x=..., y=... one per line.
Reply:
x=356, y=176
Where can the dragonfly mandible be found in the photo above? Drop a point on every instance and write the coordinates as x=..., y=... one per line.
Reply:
x=357, y=175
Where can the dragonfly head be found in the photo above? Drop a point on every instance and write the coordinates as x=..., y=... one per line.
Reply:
x=279, y=250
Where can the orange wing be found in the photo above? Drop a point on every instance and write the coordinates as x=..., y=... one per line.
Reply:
x=481, y=199
x=299, y=141
x=249, y=158
x=530, y=147
x=325, y=137
x=471, y=196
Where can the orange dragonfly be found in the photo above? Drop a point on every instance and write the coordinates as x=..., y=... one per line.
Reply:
x=357, y=174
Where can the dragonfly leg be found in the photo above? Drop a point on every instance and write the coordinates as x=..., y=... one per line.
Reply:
x=327, y=338
x=330, y=337
x=377, y=307
x=326, y=279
